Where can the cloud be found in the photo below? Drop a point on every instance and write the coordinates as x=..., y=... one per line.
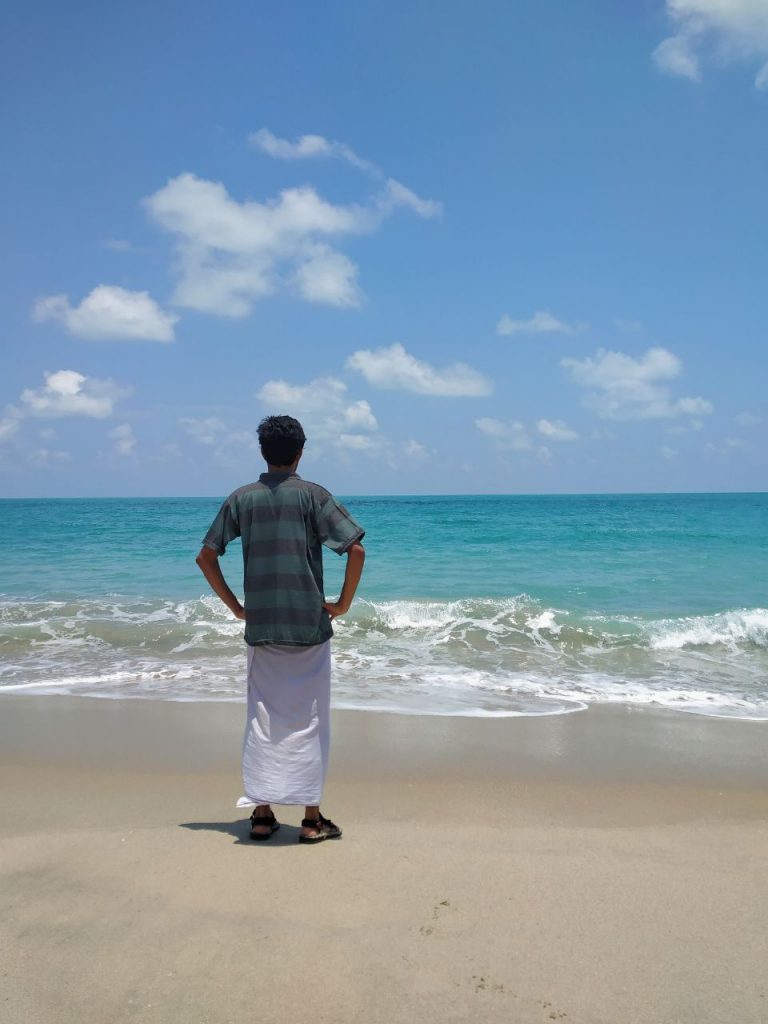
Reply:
x=329, y=277
x=667, y=452
x=69, y=393
x=396, y=369
x=623, y=388
x=540, y=323
x=415, y=450
x=510, y=437
x=125, y=441
x=46, y=457
x=325, y=411
x=556, y=430
x=8, y=427
x=309, y=147
x=728, y=30
x=205, y=431
x=109, y=312
x=232, y=254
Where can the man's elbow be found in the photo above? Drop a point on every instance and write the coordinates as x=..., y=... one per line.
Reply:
x=206, y=557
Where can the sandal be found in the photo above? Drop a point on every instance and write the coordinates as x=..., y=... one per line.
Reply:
x=326, y=829
x=260, y=820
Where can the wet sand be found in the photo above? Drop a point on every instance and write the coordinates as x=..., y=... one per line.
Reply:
x=595, y=868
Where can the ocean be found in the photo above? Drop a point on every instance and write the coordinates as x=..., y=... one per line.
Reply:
x=469, y=605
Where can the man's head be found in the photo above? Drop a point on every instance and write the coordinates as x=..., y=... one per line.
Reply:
x=282, y=440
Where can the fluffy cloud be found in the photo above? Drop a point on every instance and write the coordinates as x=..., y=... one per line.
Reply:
x=125, y=441
x=107, y=313
x=540, y=323
x=395, y=368
x=328, y=276
x=556, y=430
x=623, y=388
x=732, y=30
x=231, y=254
x=68, y=393
x=325, y=411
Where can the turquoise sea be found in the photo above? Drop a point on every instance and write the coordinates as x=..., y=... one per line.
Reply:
x=477, y=605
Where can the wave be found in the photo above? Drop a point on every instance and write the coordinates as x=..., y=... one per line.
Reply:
x=474, y=656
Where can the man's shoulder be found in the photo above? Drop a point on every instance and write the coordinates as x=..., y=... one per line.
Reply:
x=239, y=492
x=316, y=490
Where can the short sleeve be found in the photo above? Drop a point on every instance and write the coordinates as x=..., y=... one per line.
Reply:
x=224, y=528
x=335, y=526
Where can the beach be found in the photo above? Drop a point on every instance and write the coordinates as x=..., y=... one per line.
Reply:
x=595, y=867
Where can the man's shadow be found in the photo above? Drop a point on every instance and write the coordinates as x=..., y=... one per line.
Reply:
x=286, y=835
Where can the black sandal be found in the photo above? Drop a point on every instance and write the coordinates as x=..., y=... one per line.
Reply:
x=326, y=829
x=268, y=820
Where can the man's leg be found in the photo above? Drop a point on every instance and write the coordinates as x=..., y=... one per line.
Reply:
x=263, y=810
x=311, y=814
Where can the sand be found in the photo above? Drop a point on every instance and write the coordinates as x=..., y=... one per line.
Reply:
x=607, y=867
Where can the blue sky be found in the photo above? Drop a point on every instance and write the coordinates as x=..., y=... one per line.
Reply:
x=474, y=248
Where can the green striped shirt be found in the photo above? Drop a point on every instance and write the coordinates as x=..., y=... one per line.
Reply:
x=283, y=521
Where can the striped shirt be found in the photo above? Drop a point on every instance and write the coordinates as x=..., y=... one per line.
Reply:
x=283, y=521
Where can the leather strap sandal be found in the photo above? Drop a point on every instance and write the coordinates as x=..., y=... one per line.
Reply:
x=264, y=821
x=324, y=828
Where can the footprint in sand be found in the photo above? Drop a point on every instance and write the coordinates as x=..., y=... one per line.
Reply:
x=428, y=929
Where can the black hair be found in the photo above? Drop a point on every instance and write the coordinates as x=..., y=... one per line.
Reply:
x=281, y=439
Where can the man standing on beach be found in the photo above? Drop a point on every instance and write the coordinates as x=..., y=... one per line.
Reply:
x=283, y=521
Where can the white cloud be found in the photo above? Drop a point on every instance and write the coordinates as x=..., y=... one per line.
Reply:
x=231, y=254
x=109, y=312
x=125, y=441
x=511, y=437
x=8, y=427
x=415, y=450
x=727, y=30
x=667, y=452
x=396, y=195
x=623, y=388
x=328, y=276
x=325, y=411
x=68, y=393
x=395, y=368
x=674, y=55
x=556, y=430
x=46, y=457
x=508, y=436
x=308, y=147
x=729, y=445
x=209, y=431
x=540, y=323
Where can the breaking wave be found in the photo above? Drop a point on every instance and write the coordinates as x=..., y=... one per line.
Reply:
x=478, y=657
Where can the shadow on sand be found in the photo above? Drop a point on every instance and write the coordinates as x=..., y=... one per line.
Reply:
x=286, y=835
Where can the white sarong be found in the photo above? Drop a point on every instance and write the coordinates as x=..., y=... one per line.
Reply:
x=287, y=733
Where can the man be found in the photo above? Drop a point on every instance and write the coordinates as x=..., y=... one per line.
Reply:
x=283, y=521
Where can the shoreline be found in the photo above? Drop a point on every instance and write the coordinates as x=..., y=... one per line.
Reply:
x=589, y=868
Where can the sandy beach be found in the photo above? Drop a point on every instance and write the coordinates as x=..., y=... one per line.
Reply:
x=594, y=868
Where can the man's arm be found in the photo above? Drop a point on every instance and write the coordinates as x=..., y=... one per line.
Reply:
x=354, y=570
x=208, y=561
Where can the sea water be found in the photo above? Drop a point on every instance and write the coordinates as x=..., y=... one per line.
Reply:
x=469, y=605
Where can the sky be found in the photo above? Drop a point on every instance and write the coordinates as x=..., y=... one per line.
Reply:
x=475, y=248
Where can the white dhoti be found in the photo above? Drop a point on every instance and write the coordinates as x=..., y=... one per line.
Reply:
x=287, y=733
